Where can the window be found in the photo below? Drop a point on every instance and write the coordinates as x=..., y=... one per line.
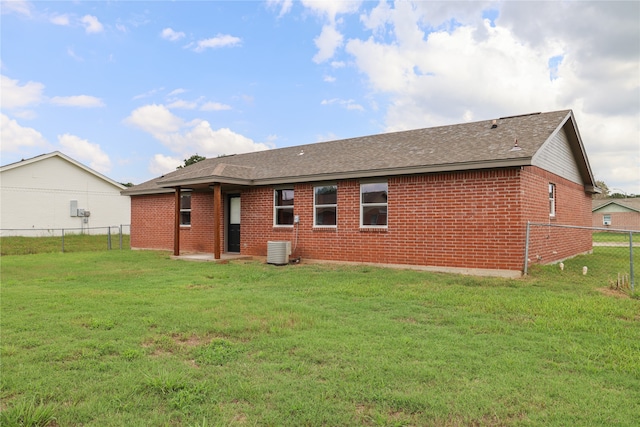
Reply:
x=606, y=219
x=552, y=199
x=373, y=204
x=185, y=207
x=325, y=205
x=283, y=207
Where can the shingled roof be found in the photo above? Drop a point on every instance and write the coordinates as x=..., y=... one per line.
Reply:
x=632, y=204
x=477, y=145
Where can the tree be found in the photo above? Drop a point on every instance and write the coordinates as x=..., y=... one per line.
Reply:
x=605, y=190
x=612, y=193
x=191, y=160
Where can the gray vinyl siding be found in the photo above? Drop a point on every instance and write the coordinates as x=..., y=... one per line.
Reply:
x=556, y=156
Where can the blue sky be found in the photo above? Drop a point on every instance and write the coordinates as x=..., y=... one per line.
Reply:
x=133, y=88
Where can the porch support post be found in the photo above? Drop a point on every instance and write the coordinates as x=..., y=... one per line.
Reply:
x=217, y=219
x=176, y=224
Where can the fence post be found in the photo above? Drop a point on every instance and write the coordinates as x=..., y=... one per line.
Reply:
x=526, y=249
x=109, y=238
x=63, y=240
x=631, y=260
x=120, y=234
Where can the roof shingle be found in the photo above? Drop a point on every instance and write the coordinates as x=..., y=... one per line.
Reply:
x=452, y=147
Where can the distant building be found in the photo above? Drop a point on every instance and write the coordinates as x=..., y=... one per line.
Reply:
x=53, y=191
x=619, y=214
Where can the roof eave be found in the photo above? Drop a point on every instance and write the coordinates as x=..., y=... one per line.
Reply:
x=451, y=167
x=146, y=191
x=614, y=202
x=203, y=181
x=581, y=153
x=68, y=159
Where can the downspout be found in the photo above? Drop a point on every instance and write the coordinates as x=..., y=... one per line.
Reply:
x=526, y=250
x=176, y=224
x=217, y=218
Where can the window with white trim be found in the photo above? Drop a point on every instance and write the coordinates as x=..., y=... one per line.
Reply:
x=325, y=206
x=283, y=207
x=185, y=208
x=373, y=204
x=552, y=199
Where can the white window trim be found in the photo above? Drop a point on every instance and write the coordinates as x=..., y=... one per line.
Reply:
x=552, y=199
x=186, y=210
x=276, y=207
x=315, y=211
x=386, y=205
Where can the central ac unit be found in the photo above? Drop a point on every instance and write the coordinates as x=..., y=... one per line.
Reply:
x=278, y=252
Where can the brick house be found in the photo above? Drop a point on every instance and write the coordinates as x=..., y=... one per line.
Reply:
x=449, y=198
x=619, y=214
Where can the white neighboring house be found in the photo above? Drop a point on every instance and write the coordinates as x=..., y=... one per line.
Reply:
x=41, y=195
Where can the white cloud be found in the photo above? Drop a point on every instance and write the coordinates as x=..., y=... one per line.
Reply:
x=177, y=92
x=91, y=24
x=24, y=114
x=85, y=151
x=21, y=7
x=328, y=9
x=612, y=144
x=432, y=78
x=329, y=79
x=161, y=164
x=327, y=137
x=16, y=96
x=331, y=8
x=171, y=35
x=221, y=40
x=202, y=139
x=148, y=94
x=18, y=139
x=214, y=106
x=186, y=138
x=349, y=104
x=73, y=54
x=60, y=20
x=272, y=138
x=285, y=6
x=438, y=62
x=182, y=104
x=84, y=101
x=156, y=120
x=327, y=43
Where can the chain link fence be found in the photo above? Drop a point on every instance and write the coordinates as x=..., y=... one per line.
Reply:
x=610, y=251
x=38, y=240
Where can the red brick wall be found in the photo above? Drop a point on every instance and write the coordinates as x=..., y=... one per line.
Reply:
x=573, y=207
x=473, y=219
x=619, y=220
x=152, y=218
x=152, y=223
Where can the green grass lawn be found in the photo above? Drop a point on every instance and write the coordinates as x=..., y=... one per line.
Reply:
x=20, y=245
x=133, y=338
x=617, y=236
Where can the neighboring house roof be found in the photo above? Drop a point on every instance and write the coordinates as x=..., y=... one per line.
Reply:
x=632, y=204
x=42, y=157
x=477, y=145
